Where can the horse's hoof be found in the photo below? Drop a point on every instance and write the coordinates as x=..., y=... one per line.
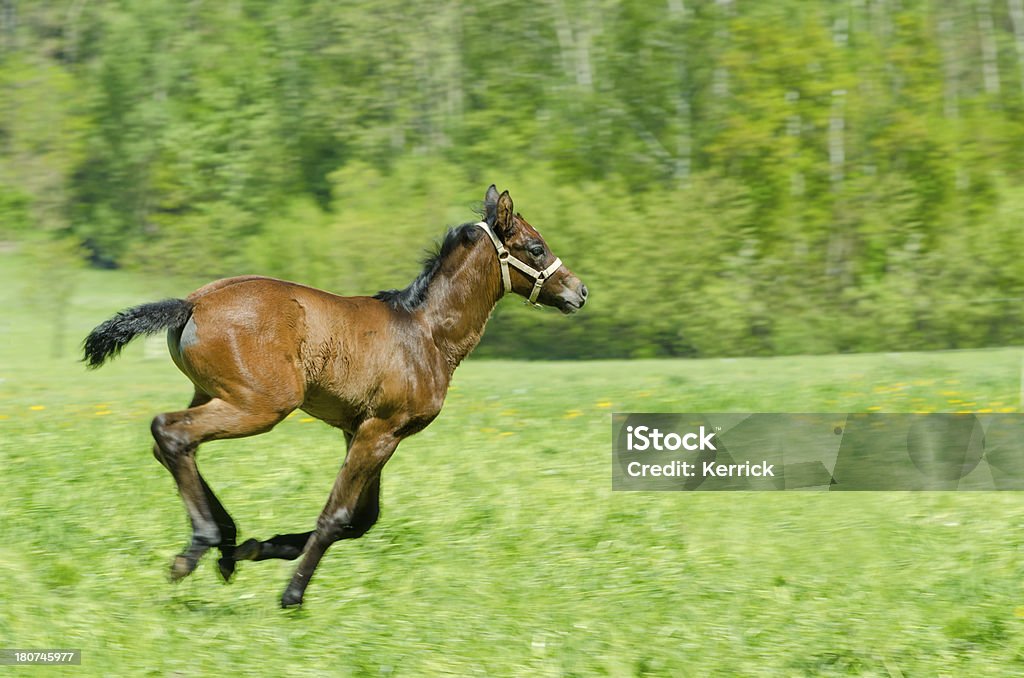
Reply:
x=291, y=598
x=226, y=566
x=248, y=550
x=182, y=567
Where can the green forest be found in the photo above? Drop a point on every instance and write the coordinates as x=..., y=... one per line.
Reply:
x=728, y=177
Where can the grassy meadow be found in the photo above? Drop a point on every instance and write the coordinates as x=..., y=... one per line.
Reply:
x=501, y=549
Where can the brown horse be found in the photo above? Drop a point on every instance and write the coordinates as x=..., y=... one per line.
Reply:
x=377, y=368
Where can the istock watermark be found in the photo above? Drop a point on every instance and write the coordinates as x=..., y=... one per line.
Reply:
x=644, y=438
x=825, y=452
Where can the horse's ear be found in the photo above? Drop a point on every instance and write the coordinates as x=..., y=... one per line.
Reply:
x=491, y=204
x=505, y=216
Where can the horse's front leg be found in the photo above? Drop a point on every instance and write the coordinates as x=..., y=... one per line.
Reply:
x=353, y=506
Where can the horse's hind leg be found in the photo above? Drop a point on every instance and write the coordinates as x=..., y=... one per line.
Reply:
x=291, y=546
x=221, y=517
x=228, y=532
x=283, y=546
x=178, y=435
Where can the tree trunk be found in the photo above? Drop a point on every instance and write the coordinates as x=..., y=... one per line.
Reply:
x=683, y=123
x=837, y=140
x=8, y=23
x=951, y=69
x=574, y=47
x=794, y=123
x=1017, y=19
x=454, y=97
x=720, y=80
x=989, y=53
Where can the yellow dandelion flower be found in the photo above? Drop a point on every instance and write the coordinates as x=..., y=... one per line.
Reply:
x=101, y=413
x=874, y=408
x=504, y=434
x=306, y=420
x=1007, y=409
x=37, y=408
x=571, y=414
x=604, y=404
x=984, y=410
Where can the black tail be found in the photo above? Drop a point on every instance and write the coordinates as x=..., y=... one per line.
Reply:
x=107, y=340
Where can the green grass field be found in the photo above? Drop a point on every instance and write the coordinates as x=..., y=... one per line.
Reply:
x=501, y=549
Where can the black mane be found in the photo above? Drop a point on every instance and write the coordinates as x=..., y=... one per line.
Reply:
x=415, y=294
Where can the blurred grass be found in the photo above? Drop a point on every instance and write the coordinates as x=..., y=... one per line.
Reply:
x=501, y=549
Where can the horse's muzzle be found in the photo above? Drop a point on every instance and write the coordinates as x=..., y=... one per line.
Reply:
x=572, y=300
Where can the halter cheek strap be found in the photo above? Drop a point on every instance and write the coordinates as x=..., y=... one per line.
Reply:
x=505, y=259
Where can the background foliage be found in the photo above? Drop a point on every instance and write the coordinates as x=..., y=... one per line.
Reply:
x=728, y=177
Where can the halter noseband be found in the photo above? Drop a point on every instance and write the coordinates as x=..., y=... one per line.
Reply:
x=505, y=258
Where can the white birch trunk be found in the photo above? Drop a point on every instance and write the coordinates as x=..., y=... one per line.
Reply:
x=794, y=123
x=575, y=47
x=683, y=142
x=951, y=69
x=1017, y=19
x=720, y=80
x=8, y=23
x=989, y=53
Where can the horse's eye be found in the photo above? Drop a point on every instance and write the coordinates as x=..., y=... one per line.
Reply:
x=537, y=250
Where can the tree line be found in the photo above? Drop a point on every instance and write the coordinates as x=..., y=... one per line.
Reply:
x=729, y=177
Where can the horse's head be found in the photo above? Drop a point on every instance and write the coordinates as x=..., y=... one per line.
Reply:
x=528, y=267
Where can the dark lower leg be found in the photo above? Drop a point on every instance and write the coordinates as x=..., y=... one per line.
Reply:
x=205, y=530
x=335, y=523
x=228, y=532
x=211, y=523
x=315, y=550
x=177, y=435
x=222, y=518
x=282, y=546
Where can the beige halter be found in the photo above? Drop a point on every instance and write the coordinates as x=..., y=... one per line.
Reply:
x=505, y=258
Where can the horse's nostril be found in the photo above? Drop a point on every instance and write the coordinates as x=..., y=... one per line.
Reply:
x=583, y=291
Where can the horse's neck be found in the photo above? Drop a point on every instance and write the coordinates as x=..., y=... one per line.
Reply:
x=460, y=299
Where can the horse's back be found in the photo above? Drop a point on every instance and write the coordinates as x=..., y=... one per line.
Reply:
x=261, y=334
x=251, y=294
x=222, y=283
x=261, y=285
